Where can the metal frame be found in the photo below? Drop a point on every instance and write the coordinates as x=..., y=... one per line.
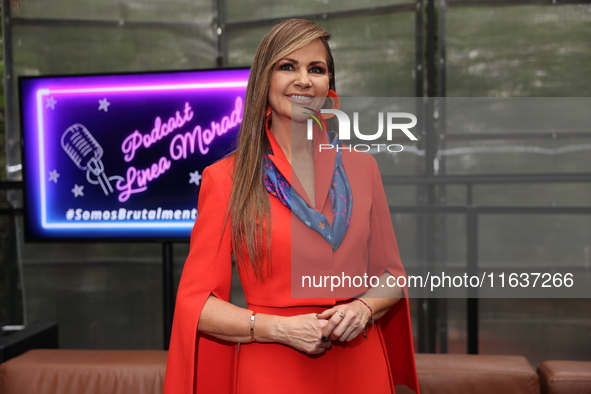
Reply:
x=442, y=329
x=14, y=314
x=428, y=313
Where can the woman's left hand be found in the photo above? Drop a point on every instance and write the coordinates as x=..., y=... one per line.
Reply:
x=345, y=321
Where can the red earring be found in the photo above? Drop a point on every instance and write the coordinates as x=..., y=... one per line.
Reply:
x=336, y=103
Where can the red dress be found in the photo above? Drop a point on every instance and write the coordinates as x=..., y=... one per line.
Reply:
x=201, y=364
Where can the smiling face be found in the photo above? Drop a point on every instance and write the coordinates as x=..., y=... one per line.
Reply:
x=299, y=79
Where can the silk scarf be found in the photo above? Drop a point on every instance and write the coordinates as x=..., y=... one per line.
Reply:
x=341, y=198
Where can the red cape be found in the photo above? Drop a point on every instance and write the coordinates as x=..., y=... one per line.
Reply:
x=201, y=364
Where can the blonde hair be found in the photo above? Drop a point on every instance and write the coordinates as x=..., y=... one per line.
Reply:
x=249, y=202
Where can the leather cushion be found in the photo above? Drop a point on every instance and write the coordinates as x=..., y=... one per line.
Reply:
x=482, y=374
x=50, y=371
x=565, y=377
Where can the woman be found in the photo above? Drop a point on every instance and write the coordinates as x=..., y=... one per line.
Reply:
x=287, y=211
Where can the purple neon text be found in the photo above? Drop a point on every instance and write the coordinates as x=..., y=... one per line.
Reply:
x=181, y=146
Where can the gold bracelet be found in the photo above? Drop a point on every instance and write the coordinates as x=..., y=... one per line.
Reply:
x=252, y=327
x=370, y=321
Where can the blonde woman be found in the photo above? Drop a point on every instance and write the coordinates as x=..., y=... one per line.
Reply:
x=284, y=209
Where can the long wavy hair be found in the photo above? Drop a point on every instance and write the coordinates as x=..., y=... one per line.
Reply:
x=250, y=208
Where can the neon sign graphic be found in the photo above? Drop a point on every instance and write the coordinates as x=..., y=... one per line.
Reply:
x=118, y=155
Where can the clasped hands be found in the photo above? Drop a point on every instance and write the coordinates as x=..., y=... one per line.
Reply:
x=342, y=323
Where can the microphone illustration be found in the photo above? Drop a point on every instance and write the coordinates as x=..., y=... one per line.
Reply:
x=86, y=153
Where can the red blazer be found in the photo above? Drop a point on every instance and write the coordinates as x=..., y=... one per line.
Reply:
x=201, y=364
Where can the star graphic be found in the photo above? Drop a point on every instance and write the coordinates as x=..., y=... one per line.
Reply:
x=104, y=105
x=322, y=225
x=53, y=175
x=50, y=102
x=77, y=190
x=195, y=178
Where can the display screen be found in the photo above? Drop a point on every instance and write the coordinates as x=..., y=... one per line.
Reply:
x=121, y=156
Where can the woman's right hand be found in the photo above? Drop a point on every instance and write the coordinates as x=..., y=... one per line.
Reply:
x=303, y=333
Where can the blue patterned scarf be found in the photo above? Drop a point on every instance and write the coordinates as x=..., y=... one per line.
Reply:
x=341, y=199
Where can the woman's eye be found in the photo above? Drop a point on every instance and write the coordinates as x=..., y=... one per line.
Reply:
x=317, y=70
x=286, y=67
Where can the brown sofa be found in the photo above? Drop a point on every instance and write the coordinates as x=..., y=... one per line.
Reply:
x=50, y=371
x=572, y=377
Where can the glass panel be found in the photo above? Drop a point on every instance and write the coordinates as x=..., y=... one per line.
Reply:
x=245, y=11
x=414, y=318
x=546, y=53
x=452, y=194
x=401, y=194
x=553, y=116
x=530, y=241
x=374, y=55
x=71, y=50
x=552, y=194
x=91, y=252
x=185, y=11
x=451, y=241
x=103, y=295
x=449, y=235
x=242, y=45
x=3, y=198
x=517, y=156
x=98, y=305
x=406, y=227
x=410, y=195
x=181, y=251
x=539, y=329
x=456, y=325
x=407, y=162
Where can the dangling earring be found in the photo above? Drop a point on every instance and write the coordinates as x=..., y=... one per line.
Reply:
x=268, y=111
x=336, y=103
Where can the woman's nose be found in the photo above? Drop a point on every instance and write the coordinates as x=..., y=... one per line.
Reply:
x=303, y=79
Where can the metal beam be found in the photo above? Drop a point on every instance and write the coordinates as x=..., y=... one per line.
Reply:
x=505, y=3
x=490, y=209
x=488, y=179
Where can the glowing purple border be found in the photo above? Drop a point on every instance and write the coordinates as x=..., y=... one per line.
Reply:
x=41, y=93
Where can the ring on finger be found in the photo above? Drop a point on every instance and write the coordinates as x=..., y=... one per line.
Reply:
x=341, y=314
